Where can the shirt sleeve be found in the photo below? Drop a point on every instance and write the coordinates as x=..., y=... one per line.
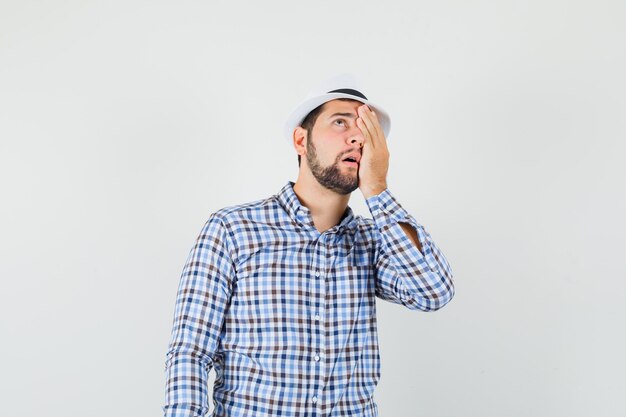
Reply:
x=202, y=299
x=404, y=275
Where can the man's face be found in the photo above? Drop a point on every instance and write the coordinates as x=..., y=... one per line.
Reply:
x=334, y=136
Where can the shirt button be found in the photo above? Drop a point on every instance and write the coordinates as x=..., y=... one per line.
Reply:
x=317, y=273
x=314, y=399
x=317, y=317
x=317, y=358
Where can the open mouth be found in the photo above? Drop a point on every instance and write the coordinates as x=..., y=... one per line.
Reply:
x=351, y=162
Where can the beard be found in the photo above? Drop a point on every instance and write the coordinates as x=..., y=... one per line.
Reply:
x=331, y=176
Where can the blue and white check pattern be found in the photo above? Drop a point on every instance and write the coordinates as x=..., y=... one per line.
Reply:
x=287, y=316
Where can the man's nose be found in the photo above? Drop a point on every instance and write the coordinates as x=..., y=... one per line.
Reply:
x=356, y=138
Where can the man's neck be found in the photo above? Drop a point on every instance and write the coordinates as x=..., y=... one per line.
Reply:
x=327, y=207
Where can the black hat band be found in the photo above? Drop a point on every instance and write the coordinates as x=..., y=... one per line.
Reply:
x=349, y=91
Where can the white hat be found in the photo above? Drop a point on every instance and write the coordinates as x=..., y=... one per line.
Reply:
x=339, y=86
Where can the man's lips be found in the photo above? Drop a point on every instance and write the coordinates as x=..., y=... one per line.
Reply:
x=354, y=155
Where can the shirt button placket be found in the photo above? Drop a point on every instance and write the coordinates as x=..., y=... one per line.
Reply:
x=318, y=342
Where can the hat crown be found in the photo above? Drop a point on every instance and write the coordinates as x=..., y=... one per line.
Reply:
x=344, y=80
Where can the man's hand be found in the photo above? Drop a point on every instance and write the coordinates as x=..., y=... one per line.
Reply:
x=374, y=162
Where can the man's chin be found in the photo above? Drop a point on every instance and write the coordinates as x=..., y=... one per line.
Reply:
x=337, y=180
x=348, y=188
x=342, y=189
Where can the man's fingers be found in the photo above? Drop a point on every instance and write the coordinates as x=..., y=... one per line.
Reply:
x=368, y=122
x=377, y=127
x=366, y=133
x=373, y=126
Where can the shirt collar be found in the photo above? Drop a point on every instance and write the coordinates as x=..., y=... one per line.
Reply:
x=302, y=215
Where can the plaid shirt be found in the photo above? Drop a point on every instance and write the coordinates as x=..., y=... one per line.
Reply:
x=287, y=315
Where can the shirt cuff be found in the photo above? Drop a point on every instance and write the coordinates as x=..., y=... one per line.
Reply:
x=385, y=209
x=387, y=213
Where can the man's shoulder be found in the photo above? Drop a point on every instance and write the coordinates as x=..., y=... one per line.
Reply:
x=365, y=222
x=247, y=211
x=366, y=226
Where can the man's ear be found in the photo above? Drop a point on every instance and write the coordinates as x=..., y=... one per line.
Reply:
x=299, y=140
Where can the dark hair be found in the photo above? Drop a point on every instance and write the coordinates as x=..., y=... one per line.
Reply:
x=309, y=121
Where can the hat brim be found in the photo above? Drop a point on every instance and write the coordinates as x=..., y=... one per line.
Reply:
x=298, y=115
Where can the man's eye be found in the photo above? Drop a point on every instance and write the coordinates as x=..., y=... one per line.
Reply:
x=340, y=120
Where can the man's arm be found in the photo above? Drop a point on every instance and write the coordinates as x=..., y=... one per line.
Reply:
x=410, y=271
x=203, y=296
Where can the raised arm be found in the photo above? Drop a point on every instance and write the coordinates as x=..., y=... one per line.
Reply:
x=419, y=280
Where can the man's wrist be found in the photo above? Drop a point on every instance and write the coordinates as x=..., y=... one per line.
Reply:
x=374, y=190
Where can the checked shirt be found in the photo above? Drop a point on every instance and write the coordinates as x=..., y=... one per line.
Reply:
x=286, y=315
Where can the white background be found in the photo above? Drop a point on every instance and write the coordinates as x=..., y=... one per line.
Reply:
x=124, y=124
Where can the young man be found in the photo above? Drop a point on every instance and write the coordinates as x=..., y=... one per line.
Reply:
x=278, y=295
